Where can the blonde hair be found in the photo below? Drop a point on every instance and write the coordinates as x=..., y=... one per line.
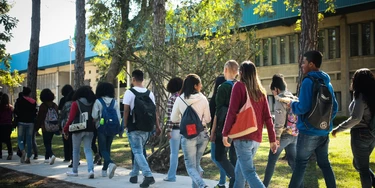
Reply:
x=232, y=66
x=249, y=76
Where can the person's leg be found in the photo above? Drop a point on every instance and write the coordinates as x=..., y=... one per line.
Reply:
x=202, y=142
x=174, y=145
x=8, y=141
x=67, y=154
x=35, y=146
x=102, y=140
x=29, y=133
x=223, y=175
x=87, y=139
x=21, y=136
x=137, y=142
x=76, y=141
x=291, y=151
x=321, y=153
x=47, y=140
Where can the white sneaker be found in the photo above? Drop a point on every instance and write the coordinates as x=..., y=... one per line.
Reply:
x=111, y=169
x=70, y=173
x=104, y=173
x=46, y=161
x=52, y=160
x=91, y=175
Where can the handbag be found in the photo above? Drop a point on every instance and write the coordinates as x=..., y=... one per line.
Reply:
x=246, y=121
x=82, y=121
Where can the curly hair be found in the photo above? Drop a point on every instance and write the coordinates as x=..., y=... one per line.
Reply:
x=105, y=89
x=278, y=82
x=84, y=92
x=364, y=83
x=46, y=95
x=174, y=85
x=66, y=90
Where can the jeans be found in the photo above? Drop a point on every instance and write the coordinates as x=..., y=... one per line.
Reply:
x=105, y=143
x=306, y=145
x=245, y=169
x=221, y=169
x=174, y=145
x=47, y=141
x=222, y=157
x=193, y=150
x=288, y=142
x=25, y=130
x=137, y=140
x=363, y=143
x=77, y=138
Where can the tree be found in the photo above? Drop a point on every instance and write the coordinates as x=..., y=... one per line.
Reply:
x=79, y=64
x=32, y=65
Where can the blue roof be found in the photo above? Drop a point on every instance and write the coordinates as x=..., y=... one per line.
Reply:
x=59, y=53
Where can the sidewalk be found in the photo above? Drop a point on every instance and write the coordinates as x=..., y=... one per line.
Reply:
x=121, y=178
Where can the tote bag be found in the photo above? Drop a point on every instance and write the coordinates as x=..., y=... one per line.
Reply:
x=82, y=124
x=246, y=121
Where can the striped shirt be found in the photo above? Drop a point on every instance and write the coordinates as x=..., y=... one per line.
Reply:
x=170, y=104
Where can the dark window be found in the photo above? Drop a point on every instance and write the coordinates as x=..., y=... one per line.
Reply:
x=366, y=42
x=97, y=71
x=274, y=51
x=292, y=48
x=353, y=40
x=266, y=43
x=282, y=50
x=89, y=71
x=321, y=41
x=333, y=43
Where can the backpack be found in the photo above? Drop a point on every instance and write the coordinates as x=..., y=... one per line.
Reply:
x=222, y=114
x=51, y=123
x=190, y=125
x=291, y=119
x=144, y=112
x=320, y=114
x=109, y=123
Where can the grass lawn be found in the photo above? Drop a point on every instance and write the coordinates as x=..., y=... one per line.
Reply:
x=339, y=153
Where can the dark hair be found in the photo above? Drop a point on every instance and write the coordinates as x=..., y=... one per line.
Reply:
x=314, y=57
x=174, y=85
x=4, y=100
x=137, y=75
x=219, y=80
x=84, y=92
x=188, y=87
x=69, y=97
x=46, y=95
x=250, y=78
x=278, y=82
x=105, y=89
x=26, y=91
x=364, y=83
x=66, y=90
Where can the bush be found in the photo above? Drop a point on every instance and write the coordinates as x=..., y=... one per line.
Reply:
x=338, y=120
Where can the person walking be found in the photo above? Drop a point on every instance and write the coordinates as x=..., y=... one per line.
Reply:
x=6, y=126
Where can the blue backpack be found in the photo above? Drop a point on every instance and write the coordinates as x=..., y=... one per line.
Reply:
x=111, y=125
x=190, y=125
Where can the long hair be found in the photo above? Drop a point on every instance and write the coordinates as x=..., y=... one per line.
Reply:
x=249, y=76
x=188, y=87
x=4, y=103
x=364, y=83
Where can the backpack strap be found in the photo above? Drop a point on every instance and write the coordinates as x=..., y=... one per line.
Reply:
x=184, y=101
x=104, y=106
x=136, y=93
x=230, y=82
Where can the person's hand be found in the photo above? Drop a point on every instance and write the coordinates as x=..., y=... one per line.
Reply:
x=157, y=131
x=334, y=132
x=274, y=93
x=169, y=136
x=212, y=137
x=66, y=136
x=273, y=147
x=225, y=141
x=278, y=143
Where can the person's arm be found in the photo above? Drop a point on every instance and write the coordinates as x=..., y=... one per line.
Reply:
x=213, y=130
x=206, y=112
x=127, y=101
x=305, y=98
x=280, y=117
x=117, y=106
x=41, y=116
x=96, y=110
x=126, y=115
x=236, y=99
x=176, y=114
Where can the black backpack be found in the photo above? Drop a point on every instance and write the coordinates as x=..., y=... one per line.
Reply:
x=190, y=125
x=144, y=112
x=322, y=105
x=222, y=114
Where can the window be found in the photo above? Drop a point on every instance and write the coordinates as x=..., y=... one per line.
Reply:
x=333, y=43
x=89, y=71
x=97, y=71
x=266, y=43
x=353, y=40
x=338, y=99
x=366, y=42
x=282, y=50
x=321, y=41
x=274, y=52
x=292, y=48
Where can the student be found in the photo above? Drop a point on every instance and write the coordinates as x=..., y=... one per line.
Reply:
x=6, y=115
x=310, y=139
x=63, y=117
x=83, y=100
x=173, y=129
x=193, y=148
x=287, y=138
x=106, y=92
x=222, y=104
x=362, y=110
x=246, y=146
x=136, y=137
x=25, y=111
x=47, y=97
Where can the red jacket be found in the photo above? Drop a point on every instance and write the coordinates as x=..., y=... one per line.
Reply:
x=262, y=112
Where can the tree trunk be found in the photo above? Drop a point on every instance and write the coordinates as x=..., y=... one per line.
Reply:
x=79, y=65
x=309, y=32
x=32, y=70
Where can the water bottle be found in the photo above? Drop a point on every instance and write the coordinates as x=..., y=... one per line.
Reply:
x=101, y=121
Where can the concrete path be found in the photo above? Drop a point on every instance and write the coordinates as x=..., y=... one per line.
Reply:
x=121, y=178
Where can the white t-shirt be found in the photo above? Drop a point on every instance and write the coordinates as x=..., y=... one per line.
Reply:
x=129, y=96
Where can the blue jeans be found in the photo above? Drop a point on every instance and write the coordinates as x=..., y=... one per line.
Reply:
x=77, y=138
x=288, y=142
x=47, y=140
x=363, y=143
x=221, y=169
x=25, y=130
x=174, y=145
x=137, y=140
x=105, y=143
x=245, y=169
x=193, y=151
x=306, y=145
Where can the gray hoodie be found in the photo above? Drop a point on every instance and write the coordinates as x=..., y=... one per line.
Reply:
x=98, y=108
x=199, y=103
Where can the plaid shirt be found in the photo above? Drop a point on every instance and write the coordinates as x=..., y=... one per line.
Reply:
x=170, y=103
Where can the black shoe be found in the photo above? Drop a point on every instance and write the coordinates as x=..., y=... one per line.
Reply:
x=147, y=181
x=97, y=158
x=9, y=157
x=231, y=182
x=71, y=165
x=219, y=186
x=99, y=162
x=133, y=179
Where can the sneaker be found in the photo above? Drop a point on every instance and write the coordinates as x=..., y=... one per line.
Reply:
x=35, y=157
x=23, y=155
x=27, y=161
x=52, y=160
x=111, y=169
x=46, y=161
x=71, y=165
x=96, y=159
x=99, y=162
x=104, y=173
x=170, y=180
x=147, y=181
x=9, y=157
x=70, y=173
x=91, y=175
x=219, y=186
x=66, y=160
x=133, y=179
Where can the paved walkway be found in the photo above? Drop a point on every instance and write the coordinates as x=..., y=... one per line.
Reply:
x=121, y=178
